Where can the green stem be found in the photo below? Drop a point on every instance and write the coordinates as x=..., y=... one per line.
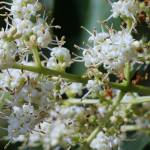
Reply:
x=106, y=119
x=129, y=24
x=93, y=135
x=138, y=100
x=115, y=105
x=75, y=101
x=139, y=89
x=126, y=128
x=120, y=86
x=131, y=88
x=74, y=78
x=50, y=72
x=132, y=101
x=127, y=73
x=36, y=57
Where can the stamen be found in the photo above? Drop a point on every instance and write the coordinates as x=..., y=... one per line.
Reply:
x=79, y=48
x=50, y=49
x=5, y=129
x=4, y=7
x=85, y=95
x=56, y=27
x=74, y=54
x=109, y=1
x=87, y=30
x=6, y=3
x=44, y=56
x=6, y=146
x=75, y=60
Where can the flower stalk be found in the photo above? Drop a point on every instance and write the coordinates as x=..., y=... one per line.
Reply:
x=106, y=119
x=45, y=71
x=36, y=57
x=50, y=72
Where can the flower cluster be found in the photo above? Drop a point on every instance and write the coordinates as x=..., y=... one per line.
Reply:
x=28, y=30
x=27, y=21
x=60, y=59
x=111, y=49
x=46, y=106
x=21, y=121
x=62, y=128
x=131, y=11
x=125, y=9
x=103, y=142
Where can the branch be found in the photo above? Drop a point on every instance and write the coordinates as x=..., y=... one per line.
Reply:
x=36, y=57
x=75, y=78
x=50, y=72
x=132, y=101
x=106, y=118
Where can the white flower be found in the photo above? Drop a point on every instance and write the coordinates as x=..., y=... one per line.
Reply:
x=118, y=50
x=94, y=86
x=24, y=9
x=21, y=121
x=100, y=142
x=24, y=27
x=90, y=56
x=7, y=53
x=52, y=64
x=28, y=109
x=29, y=10
x=41, y=30
x=72, y=111
x=125, y=8
x=102, y=110
x=38, y=93
x=11, y=78
x=54, y=134
x=28, y=22
x=113, y=52
x=99, y=37
x=73, y=89
x=58, y=131
x=61, y=54
x=103, y=142
x=60, y=59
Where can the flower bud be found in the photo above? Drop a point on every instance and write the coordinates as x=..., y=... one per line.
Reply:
x=33, y=39
x=2, y=34
x=12, y=30
x=17, y=35
x=38, y=6
x=137, y=46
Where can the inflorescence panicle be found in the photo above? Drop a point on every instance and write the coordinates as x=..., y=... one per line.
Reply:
x=44, y=104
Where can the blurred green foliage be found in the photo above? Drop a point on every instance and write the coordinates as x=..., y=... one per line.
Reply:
x=136, y=142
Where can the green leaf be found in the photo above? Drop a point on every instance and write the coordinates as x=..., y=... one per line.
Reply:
x=136, y=142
